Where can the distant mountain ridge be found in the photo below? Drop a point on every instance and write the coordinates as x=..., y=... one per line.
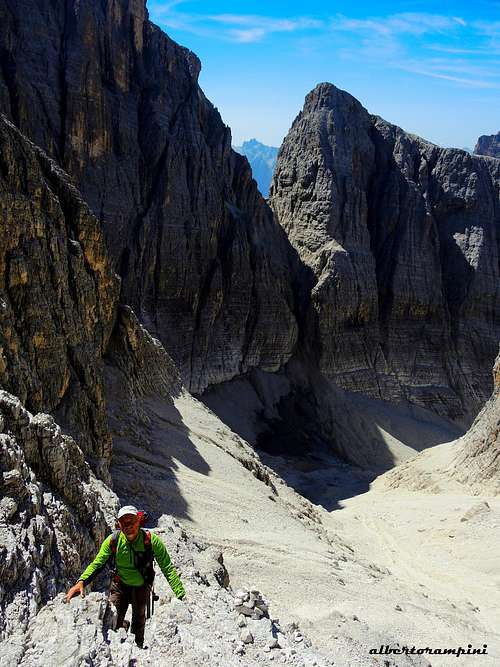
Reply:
x=262, y=159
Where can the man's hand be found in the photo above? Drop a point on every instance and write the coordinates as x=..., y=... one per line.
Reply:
x=74, y=590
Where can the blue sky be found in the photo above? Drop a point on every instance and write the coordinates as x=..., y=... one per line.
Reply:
x=431, y=67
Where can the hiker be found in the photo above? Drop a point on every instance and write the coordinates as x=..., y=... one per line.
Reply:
x=132, y=550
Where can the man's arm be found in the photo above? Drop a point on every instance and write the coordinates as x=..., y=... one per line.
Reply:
x=98, y=563
x=163, y=560
x=92, y=570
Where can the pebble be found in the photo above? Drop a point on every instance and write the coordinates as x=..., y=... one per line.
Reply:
x=242, y=609
x=246, y=636
x=242, y=593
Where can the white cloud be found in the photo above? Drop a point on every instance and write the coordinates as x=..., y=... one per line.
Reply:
x=399, y=24
x=248, y=35
x=458, y=51
x=385, y=41
x=400, y=40
x=233, y=27
x=267, y=23
x=422, y=69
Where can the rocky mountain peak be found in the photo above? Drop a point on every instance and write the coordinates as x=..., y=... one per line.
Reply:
x=327, y=95
x=488, y=145
x=262, y=159
x=377, y=278
x=117, y=103
x=402, y=237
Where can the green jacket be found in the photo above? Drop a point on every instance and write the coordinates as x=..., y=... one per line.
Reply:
x=129, y=575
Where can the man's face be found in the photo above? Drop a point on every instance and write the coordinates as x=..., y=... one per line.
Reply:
x=129, y=524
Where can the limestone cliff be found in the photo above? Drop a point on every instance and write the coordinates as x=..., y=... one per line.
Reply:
x=58, y=295
x=53, y=512
x=397, y=293
x=477, y=459
x=402, y=238
x=488, y=144
x=117, y=103
x=397, y=297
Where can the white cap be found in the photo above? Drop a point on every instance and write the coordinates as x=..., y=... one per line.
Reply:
x=127, y=509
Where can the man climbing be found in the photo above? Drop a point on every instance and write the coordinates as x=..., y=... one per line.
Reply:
x=133, y=550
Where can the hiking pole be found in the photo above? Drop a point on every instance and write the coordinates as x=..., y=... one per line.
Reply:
x=154, y=599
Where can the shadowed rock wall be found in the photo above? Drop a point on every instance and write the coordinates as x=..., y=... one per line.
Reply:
x=117, y=104
x=477, y=461
x=398, y=238
x=403, y=240
x=58, y=294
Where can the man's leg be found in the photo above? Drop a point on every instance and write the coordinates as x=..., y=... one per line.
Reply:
x=140, y=597
x=120, y=598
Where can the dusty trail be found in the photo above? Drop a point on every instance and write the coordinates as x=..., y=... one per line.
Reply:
x=446, y=581
x=359, y=565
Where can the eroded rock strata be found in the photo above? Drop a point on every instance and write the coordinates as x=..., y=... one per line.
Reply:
x=477, y=458
x=397, y=237
x=117, y=103
x=396, y=295
x=53, y=512
x=488, y=144
x=403, y=240
x=58, y=294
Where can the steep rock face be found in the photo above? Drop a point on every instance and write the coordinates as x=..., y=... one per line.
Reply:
x=136, y=366
x=477, y=461
x=179, y=633
x=53, y=512
x=58, y=294
x=467, y=465
x=117, y=103
x=488, y=144
x=403, y=240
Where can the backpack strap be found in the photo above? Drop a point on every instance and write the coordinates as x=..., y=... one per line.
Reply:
x=113, y=543
x=147, y=539
x=145, y=561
